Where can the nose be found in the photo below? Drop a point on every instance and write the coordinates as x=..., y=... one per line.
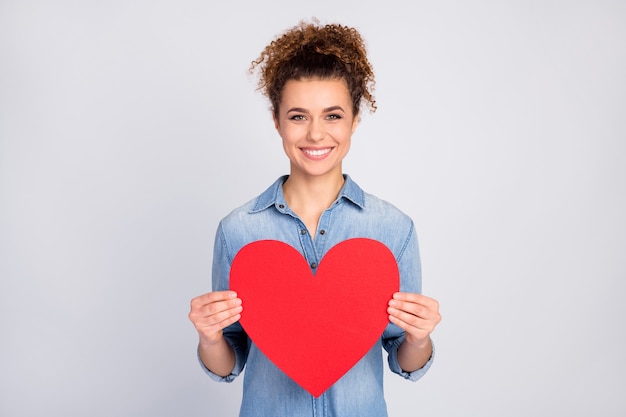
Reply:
x=316, y=131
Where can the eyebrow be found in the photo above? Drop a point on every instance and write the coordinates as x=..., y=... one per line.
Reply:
x=326, y=110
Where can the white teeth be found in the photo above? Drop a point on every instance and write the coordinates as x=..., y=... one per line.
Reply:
x=317, y=152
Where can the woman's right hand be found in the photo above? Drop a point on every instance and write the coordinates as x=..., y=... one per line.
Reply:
x=210, y=313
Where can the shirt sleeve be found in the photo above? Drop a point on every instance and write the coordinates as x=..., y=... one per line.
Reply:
x=234, y=334
x=410, y=269
x=391, y=345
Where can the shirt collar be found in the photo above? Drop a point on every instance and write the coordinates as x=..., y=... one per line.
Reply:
x=274, y=196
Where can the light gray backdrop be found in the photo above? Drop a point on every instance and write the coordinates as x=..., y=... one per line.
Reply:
x=129, y=128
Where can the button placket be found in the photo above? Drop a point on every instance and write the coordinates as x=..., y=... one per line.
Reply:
x=308, y=246
x=322, y=232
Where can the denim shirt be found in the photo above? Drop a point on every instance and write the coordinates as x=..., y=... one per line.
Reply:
x=267, y=391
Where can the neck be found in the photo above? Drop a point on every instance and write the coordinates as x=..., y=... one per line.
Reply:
x=307, y=195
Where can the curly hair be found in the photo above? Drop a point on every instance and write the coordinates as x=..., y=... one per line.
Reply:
x=311, y=50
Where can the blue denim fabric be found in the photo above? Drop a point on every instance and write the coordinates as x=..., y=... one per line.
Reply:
x=267, y=390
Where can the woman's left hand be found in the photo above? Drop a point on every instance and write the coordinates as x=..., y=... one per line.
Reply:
x=416, y=314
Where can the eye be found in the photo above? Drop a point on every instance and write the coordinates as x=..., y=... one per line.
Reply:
x=334, y=116
x=297, y=117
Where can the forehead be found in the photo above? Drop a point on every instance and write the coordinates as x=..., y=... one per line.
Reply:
x=323, y=92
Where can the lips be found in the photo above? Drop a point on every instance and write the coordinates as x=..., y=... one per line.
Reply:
x=316, y=153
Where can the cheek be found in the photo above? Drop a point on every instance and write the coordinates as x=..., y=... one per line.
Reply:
x=345, y=133
x=289, y=134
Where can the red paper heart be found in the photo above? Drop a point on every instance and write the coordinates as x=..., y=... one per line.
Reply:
x=315, y=328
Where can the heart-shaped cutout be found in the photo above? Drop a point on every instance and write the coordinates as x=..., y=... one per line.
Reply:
x=315, y=327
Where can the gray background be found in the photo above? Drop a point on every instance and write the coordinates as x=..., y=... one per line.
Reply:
x=129, y=128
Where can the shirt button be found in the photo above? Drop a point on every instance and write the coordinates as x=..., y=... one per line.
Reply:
x=313, y=265
x=322, y=232
x=303, y=231
x=281, y=206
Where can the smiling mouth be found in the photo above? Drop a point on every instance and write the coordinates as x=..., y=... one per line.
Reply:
x=316, y=152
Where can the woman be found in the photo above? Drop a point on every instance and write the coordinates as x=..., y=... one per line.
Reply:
x=316, y=78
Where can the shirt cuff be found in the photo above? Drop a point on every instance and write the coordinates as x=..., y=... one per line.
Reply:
x=394, y=365
x=239, y=364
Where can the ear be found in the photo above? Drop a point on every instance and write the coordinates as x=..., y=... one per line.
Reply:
x=276, y=124
x=355, y=121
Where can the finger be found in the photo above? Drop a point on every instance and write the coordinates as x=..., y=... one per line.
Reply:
x=214, y=301
x=213, y=312
x=213, y=333
x=219, y=306
x=415, y=298
x=417, y=304
x=420, y=327
x=213, y=297
x=217, y=322
x=409, y=318
x=415, y=332
x=416, y=329
x=203, y=315
x=223, y=318
x=415, y=309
